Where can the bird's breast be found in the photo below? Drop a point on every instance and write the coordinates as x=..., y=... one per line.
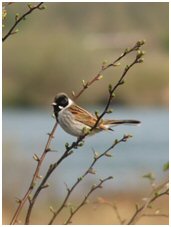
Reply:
x=69, y=124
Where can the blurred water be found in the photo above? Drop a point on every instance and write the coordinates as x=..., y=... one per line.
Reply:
x=24, y=133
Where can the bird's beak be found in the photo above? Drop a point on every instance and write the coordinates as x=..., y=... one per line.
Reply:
x=54, y=104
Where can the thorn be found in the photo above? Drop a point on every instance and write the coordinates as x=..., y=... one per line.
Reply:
x=36, y=158
x=52, y=210
x=67, y=145
x=79, y=179
x=29, y=198
x=92, y=171
x=127, y=67
x=67, y=188
x=73, y=93
x=93, y=186
x=126, y=50
x=49, y=134
x=109, y=111
x=16, y=16
x=104, y=62
x=121, y=82
x=18, y=200
x=81, y=143
x=140, y=60
x=84, y=84
x=136, y=207
x=70, y=152
x=117, y=64
x=100, y=77
x=16, y=31
x=48, y=149
x=42, y=7
x=110, y=88
x=30, y=6
x=111, y=177
x=108, y=154
x=96, y=154
x=45, y=186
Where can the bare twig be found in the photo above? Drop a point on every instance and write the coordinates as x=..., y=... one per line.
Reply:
x=138, y=59
x=104, y=201
x=19, y=19
x=121, y=221
x=94, y=187
x=79, y=141
x=105, y=67
x=161, y=190
x=89, y=170
x=35, y=175
x=156, y=215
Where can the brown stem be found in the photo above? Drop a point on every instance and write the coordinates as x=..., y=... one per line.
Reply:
x=155, y=194
x=35, y=175
x=113, y=64
x=31, y=9
x=85, y=198
x=96, y=158
x=111, y=92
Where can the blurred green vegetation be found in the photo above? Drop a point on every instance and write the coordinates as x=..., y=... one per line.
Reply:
x=58, y=47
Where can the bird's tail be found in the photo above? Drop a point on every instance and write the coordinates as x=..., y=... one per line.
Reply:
x=119, y=122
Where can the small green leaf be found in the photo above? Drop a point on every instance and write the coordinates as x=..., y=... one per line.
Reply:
x=43, y=7
x=52, y=210
x=81, y=143
x=117, y=64
x=16, y=16
x=73, y=93
x=126, y=50
x=92, y=171
x=66, y=145
x=110, y=87
x=97, y=113
x=104, y=62
x=108, y=155
x=100, y=77
x=96, y=154
x=149, y=176
x=109, y=111
x=30, y=6
x=166, y=166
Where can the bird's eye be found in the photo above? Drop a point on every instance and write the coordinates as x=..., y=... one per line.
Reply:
x=63, y=101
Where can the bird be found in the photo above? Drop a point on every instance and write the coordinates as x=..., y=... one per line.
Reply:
x=75, y=120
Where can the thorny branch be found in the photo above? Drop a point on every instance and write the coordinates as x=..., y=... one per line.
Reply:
x=161, y=190
x=89, y=170
x=155, y=215
x=102, y=201
x=35, y=176
x=94, y=187
x=19, y=19
x=105, y=67
x=79, y=141
x=51, y=135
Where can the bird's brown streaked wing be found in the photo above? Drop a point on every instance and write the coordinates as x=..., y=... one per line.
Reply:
x=84, y=116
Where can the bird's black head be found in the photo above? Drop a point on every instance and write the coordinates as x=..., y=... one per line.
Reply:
x=60, y=102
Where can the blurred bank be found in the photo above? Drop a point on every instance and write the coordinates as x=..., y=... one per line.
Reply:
x=56, y=48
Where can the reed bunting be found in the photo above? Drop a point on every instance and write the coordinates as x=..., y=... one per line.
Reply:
x=74, y=119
